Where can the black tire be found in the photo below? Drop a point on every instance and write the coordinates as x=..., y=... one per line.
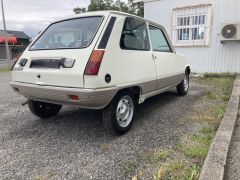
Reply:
x=110, y=120
x=43, y=109
x=183, y=86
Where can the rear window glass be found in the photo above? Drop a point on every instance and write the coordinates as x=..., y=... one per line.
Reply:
x=74, y=33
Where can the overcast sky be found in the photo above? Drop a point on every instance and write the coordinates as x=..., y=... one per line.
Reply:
x=31, y=16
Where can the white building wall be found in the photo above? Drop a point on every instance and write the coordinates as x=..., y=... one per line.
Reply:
x=216, y=57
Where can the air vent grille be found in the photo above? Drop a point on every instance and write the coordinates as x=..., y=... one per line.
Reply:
x=230, y=32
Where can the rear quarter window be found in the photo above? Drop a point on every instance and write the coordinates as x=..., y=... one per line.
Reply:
x=68, y=34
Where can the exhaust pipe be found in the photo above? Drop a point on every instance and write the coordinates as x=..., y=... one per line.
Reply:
x=25, y=102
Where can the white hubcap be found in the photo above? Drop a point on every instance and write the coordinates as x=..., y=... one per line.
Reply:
x=185, y=83
x=124, y=111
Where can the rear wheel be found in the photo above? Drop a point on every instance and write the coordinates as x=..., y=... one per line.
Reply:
x=118, y=115
x=42, y=109
x=182, y=88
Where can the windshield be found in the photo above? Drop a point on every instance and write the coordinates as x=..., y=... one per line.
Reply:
x=74, y=33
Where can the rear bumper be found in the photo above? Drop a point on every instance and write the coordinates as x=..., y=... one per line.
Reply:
x=88, y=98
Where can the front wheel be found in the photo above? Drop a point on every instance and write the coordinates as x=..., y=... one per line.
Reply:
x=182, y=88
x=118, y=115
x=43, y=109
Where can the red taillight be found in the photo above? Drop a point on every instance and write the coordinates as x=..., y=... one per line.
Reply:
x=94, y=62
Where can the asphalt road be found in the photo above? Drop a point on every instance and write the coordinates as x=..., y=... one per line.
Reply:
x=74, y=145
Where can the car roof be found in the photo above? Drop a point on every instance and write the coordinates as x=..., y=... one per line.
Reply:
x=102, y=13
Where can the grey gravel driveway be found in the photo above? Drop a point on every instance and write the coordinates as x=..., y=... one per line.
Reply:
x=74, y=145
x=3, y=63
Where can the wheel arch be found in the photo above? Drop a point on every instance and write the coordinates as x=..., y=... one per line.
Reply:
x=135, y=90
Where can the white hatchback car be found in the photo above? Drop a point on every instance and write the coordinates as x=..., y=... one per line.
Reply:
x=99, y=60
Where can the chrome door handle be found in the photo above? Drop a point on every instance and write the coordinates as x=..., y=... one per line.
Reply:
x=154, y=57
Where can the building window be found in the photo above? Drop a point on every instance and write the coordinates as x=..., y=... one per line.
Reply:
x=191, y=25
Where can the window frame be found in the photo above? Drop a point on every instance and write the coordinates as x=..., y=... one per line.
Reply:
x=102, y=18
x=187, y=11
x=107, y=33
x=147, y=31
x=165, y=36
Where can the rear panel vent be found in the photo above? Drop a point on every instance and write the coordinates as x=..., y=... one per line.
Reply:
x=107, y=33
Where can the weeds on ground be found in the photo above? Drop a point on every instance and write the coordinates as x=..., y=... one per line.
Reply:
x=46, y=176
x=3, y=69
x=169, y=169
x=185, y=162
x=156, y=156
x=129, y=167
x=217, y=95
x=212, y=95
x=189, y=157
x=177, y=170
x=219, y=75
x=222, y=87
x=210, y=116
x=221, y=84
x=150, y=159
x=206, y=130
x=105, y=146
x=195, y=146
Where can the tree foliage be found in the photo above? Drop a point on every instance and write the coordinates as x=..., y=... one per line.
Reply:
x=118, y=5
x=78, y=10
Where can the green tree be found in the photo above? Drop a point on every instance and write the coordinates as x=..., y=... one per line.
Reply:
x=139, y=9
x=136, y=8
x=78, y=10
x=121, y=6
x=118, y=5
x=99, y=5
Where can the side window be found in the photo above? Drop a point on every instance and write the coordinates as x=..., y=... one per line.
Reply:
x=158, y=39
x=134, y=35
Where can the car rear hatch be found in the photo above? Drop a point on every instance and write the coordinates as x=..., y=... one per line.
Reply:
x=60, y=54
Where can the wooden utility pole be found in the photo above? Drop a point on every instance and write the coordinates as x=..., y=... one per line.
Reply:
x=5, y=34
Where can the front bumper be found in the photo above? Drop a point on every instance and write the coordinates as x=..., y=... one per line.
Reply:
x=88, y=98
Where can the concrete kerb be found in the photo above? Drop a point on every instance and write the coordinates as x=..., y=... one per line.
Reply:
x=214, y=165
